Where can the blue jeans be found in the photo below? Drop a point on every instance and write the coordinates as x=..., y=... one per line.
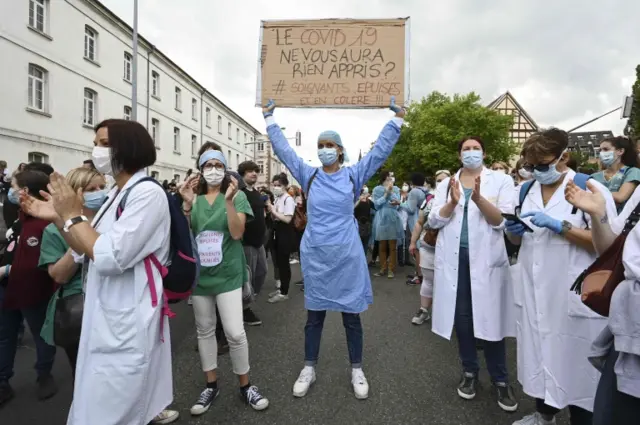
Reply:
x=494, y=351
x=612, y=406
x=10, y=323
x=313, y=333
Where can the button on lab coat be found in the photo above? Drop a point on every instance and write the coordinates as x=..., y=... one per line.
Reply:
x=554, y=328
x=123, y=375
x=491, y=295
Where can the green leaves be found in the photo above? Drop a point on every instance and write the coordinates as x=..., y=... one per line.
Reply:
x=633, y=125
x=435, y=125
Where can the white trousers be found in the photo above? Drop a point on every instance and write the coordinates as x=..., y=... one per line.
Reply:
x=426, y=289
x=230, y=308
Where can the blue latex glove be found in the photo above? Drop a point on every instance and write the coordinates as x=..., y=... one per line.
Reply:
x=515, y=228
x=270, y=106
x=540, y=219
x=395, y=108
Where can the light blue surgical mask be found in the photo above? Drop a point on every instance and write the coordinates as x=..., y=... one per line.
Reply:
x=328, y=156
x=607, y=158
x=472, y=159
x=95, y=200
x=550, y=176
x=13, y=197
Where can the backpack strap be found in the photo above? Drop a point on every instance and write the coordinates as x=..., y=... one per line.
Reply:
x=581, y=179
x=315, y=173
x=124, y=198
x=524, y=191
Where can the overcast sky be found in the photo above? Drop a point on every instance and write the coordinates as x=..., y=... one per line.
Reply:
x=565, y=61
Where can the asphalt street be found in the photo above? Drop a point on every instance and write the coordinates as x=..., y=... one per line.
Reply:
x=412, y=372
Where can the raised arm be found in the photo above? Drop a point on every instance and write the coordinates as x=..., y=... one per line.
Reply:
x=372, y=161
x=301, y=171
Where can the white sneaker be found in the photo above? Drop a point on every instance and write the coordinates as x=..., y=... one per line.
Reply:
x=360, y=384
x=421, y=316
x=278, y=297
x=535, y=419
x=277, y=291
x=304, y=381
x=166, y=417
x=190, y=300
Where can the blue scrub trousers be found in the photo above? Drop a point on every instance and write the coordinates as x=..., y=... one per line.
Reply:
x=313, y=334
x=494, y=351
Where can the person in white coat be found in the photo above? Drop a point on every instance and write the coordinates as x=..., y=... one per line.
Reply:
x=123, y=373
x=472, y=269
x=554, y=328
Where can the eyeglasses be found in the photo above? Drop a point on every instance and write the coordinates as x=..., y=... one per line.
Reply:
x=217, y=166
x=540, y=167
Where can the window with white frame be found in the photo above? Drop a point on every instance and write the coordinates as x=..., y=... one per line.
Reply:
x=38, y=14
x=128, y=59
x=178, y=99
x=155, y=131
x=238, y=135
x=127, y=113
x=37, y=88
x=194, y=109
x=194, y=145
x=176, y=178
x=229, y=131
x=245, y=140
x=261, y=167
x=90, y=43
x=90, y=100
x=260, y=147
x=219, y=124
x=176, y=139
x=155, y=175
x=38, y=157
x=237, y=159
x=207, y=115
x=229, y=158
x=155, y=84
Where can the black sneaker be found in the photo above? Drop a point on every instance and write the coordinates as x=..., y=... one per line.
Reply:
x=506, y=397
x=6, y=392
x=300, y=283
x=254, y=399
x=467, y=386
x=47, y=387
x=416, y=280
x=204, y=401
x=250, y=318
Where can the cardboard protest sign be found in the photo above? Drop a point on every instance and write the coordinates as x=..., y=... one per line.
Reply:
x=333, y=63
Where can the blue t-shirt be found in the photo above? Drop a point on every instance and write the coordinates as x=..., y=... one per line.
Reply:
x=464, y=232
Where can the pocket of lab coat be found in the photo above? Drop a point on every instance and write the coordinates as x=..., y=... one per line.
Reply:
x=116, y=335
x=578, y=309
x=516, y=283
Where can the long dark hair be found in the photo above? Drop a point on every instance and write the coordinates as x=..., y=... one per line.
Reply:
x=630, y=156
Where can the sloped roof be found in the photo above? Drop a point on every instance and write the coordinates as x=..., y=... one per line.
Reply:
x=507, y=95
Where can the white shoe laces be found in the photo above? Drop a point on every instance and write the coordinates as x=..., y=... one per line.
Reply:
x=305, y=376
x=358, y=377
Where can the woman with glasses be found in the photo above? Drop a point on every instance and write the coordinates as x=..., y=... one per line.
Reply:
x=620, y=173
x=554, y=329
x=471, y=275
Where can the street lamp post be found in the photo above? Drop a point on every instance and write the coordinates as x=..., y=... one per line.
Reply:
x=134, y=65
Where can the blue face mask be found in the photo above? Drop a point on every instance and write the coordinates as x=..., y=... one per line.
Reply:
x=607, y=158
x=548, y=177
x=472, y=159
x=12, y=196
x=94, y=200
x=328, y=156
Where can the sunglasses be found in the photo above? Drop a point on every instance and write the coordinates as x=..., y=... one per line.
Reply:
x=540, y=167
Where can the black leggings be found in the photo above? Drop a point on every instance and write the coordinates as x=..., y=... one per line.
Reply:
x=283, y=244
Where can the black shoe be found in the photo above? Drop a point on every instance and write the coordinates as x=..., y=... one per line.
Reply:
x=47, y=387
x=207, y=397
x=6, y=392
x=254, y=399
x=506, y=397
x=417, y=280
x=467, y=386
x=300, y=283
x=250, y=318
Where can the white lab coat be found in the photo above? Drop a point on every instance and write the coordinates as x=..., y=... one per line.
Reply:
x=123, y=374
x=492, y=297
x=554, y=328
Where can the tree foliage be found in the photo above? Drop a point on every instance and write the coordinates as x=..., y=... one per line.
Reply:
x=633, y=125
x=434, y=126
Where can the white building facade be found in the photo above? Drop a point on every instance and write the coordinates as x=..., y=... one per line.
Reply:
x=67, y=65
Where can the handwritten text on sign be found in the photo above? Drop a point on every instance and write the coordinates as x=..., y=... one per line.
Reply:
x=333, y=62
x=210, y=247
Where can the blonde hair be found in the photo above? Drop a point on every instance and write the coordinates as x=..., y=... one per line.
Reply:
x=445, y=172
x=79, y=178
x=501, y=164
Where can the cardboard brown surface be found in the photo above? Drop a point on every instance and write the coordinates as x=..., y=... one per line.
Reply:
x=336, y=63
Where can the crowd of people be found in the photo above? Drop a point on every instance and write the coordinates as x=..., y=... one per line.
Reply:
x=496, y=253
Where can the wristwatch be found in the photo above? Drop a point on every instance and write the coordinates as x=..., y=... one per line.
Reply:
x=566, y=226
x=73, y=221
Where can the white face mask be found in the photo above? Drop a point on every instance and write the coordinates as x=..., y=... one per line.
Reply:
x=101, y=158
x=365, y=190
x=278, y=191
x=213, y=177
x=527, y=175
x=405, y=188
x=500, y=171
